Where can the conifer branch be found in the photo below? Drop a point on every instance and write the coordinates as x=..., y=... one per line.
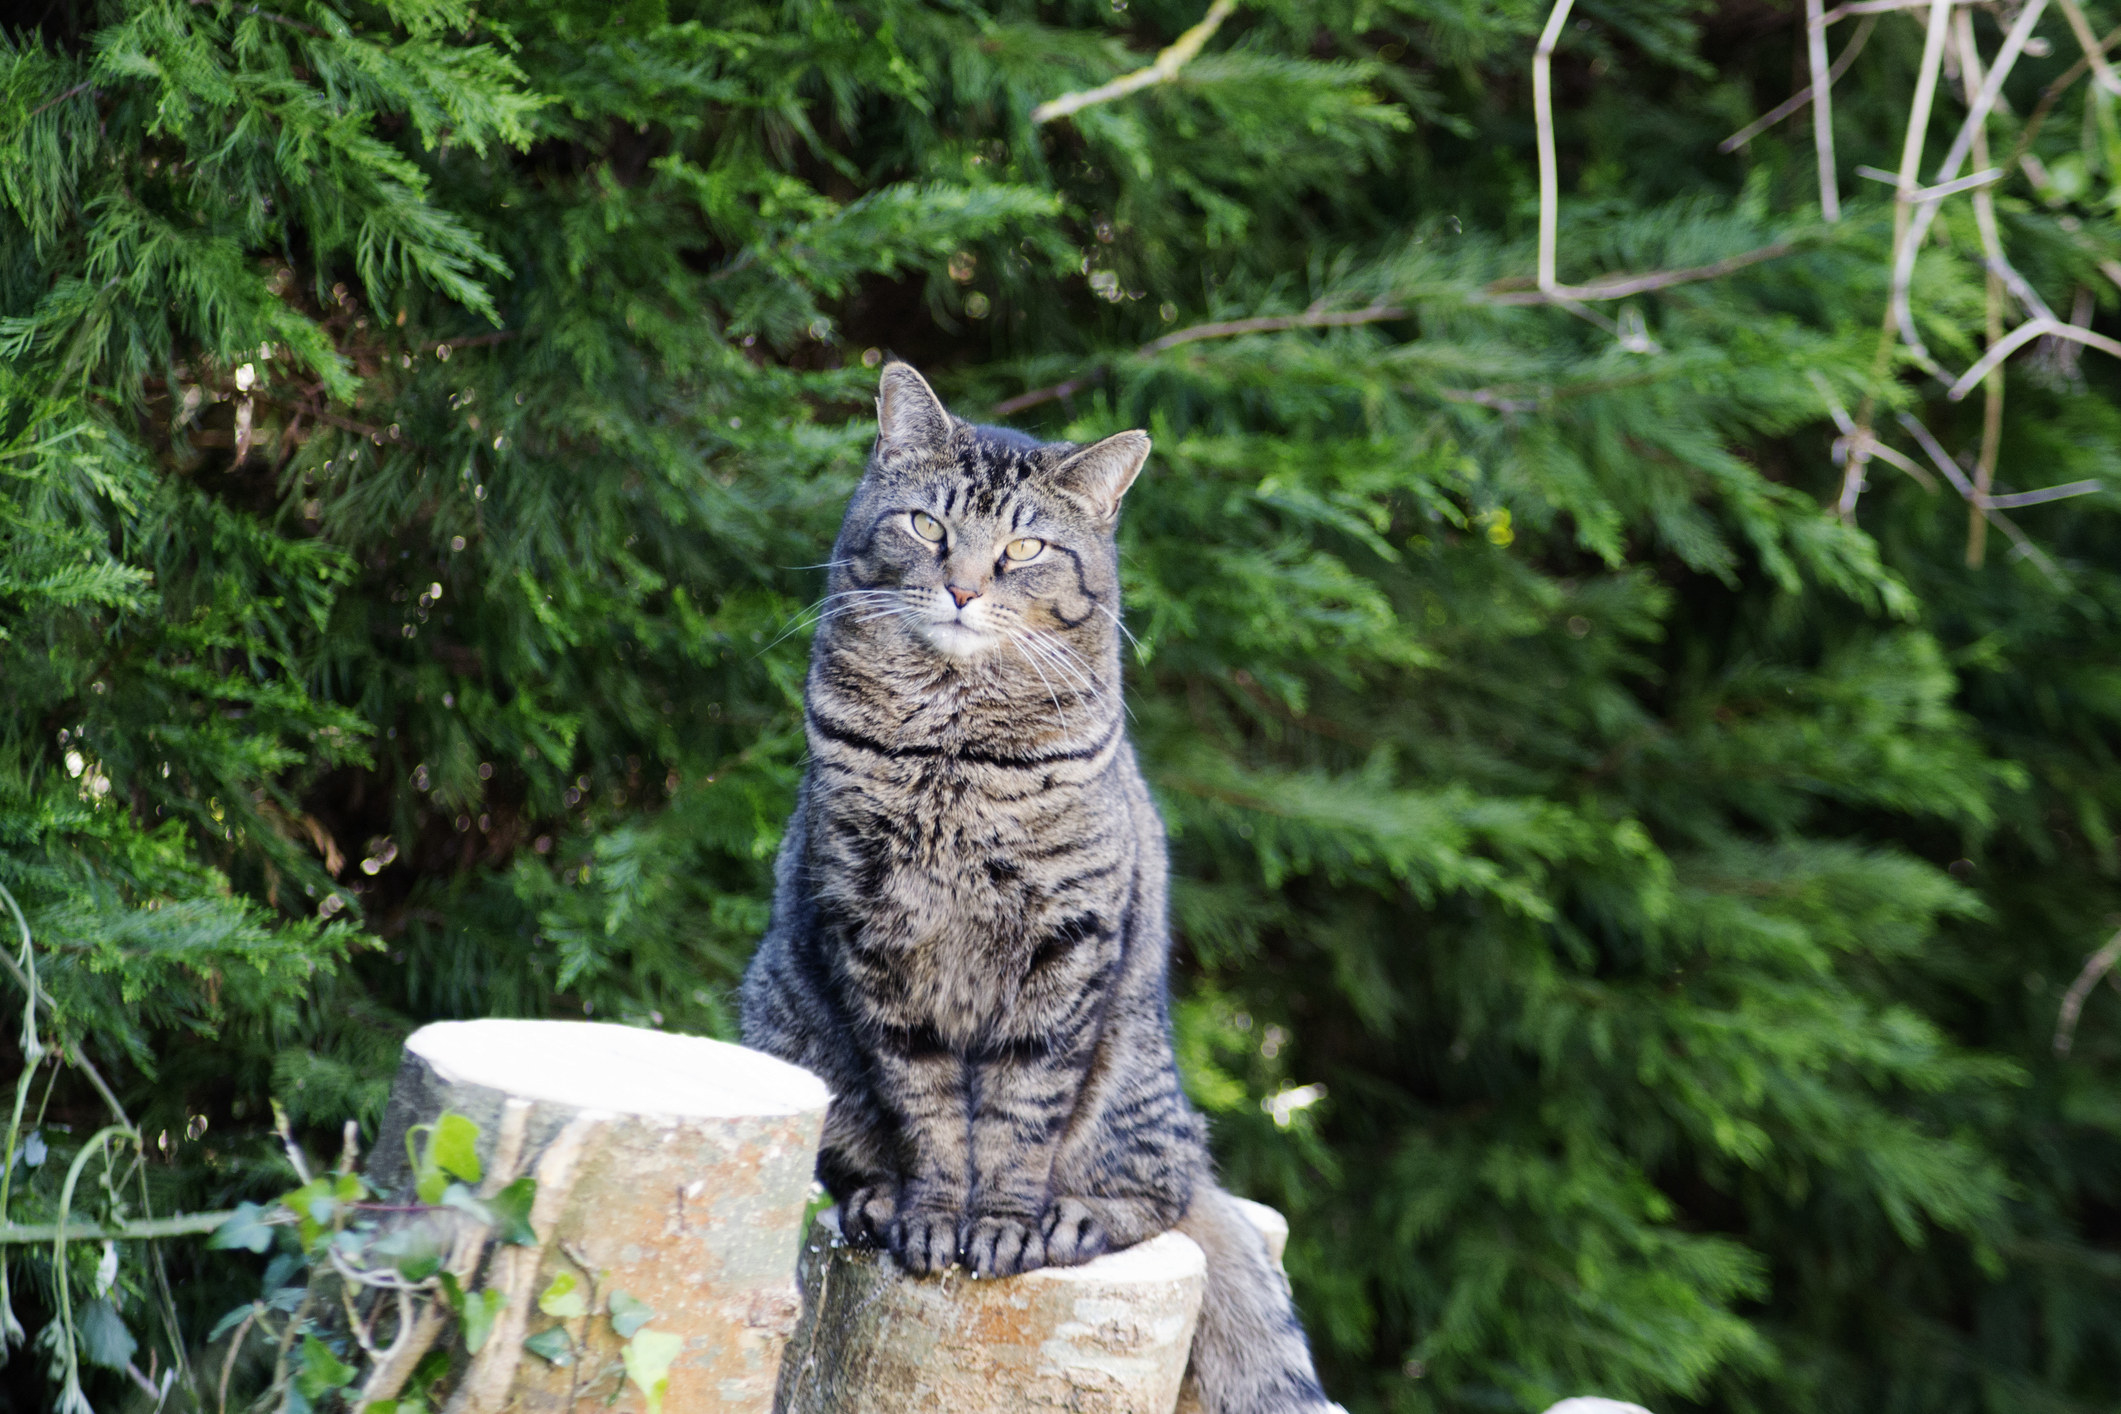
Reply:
x=1803, y=95
x=269, y=17
x=1168, y=62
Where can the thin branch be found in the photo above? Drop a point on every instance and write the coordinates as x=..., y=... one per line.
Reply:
x=2016, y=499
x=55, y=102
x=1543, y=115
x=2053, y=92
x=1272, y=323
x=2025, y=333
x=1942, y=189
x=1565, y=297
x=1916, y=216
x=1822, y=109
x=1803, y=95
x=2098, y=965
x=1163, y=70
x=1992, y=306
x=182, y=1225
x=1622, y=286
x=2094, y=48
x=1883, y=7
x=2020, y=543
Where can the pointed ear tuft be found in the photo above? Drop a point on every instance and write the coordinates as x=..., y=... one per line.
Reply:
x=909, y=415
x=1100, y=473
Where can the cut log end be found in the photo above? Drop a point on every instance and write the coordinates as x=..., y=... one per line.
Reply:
x=1108, y=1337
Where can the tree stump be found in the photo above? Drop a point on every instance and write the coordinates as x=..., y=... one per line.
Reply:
x=1109, y=1337
x=672, y=1173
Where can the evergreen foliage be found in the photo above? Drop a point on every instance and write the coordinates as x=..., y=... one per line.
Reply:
x=1627, y=906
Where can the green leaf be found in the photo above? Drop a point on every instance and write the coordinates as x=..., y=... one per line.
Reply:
x=416, y=1251
x=246, y=1228
x=478, y=1314
x=553, y=1343
x=563, y=1299
x=320, y=1371
x=453, y=1292
x=511, y=1212
x=455, y=1147
x=628, y=1314
x=457, y=1196
x=102, y=1336
x=648, y=1358
x=229, y=1322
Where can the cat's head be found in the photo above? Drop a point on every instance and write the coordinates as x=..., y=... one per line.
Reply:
x=972, y=538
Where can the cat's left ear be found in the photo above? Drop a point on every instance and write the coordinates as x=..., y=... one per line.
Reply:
x=1100, y=473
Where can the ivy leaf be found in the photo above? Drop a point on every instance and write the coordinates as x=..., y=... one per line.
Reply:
x=457, y=1196
x=554, y=1344
x=455, y=1147
x=629, y=1314
x=511, y=1212
x=103, y=1338
x=229, y=1322
x=479, y=1311
x=453, y=1292
x=246, y=1228
x=321, y=1371
x=415, y=1251
x=648, y=1358
x=562, y=1299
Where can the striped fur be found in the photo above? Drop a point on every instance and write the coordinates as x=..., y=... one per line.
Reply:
x=968, y=939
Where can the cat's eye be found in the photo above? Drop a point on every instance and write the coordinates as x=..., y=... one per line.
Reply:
x=927, y=527
x=1024, y=549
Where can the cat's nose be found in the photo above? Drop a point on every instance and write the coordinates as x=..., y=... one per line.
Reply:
x=962, y=595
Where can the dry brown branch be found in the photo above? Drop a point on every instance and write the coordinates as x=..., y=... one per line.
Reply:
x=2099, y=964
x=78, y=88
x=1165, y=68
x=1803, y=95
x=1992, y=302
x=1543, y=116
x=1272, y=323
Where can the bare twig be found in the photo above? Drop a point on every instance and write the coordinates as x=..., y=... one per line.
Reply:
x=2024, y=334
x=2015, y=499
x=1803, y=95
x=1165, y=68
x=2053, y=92
x=2099, y=964
x=1272, y=323
x=182, y=1225
x=1543, y=115
x=2094, y=48
x=1992, y=305
x=78, y=88
x=1822, y=109
x=1883, y=7
x=1942, y=189
x=1623, y=286
x=1912, y=222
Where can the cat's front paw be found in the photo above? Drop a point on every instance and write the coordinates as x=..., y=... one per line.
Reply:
x=1073, y=1233
x=1003, y=1246
x=865, y=1218
x=924, y=1240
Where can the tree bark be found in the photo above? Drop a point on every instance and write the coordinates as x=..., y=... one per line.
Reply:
x=1109, y=1337
x=671, y=1169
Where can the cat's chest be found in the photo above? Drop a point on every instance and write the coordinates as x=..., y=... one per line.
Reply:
x=947, y=895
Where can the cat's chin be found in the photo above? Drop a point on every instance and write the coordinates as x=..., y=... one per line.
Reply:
x=956, y=640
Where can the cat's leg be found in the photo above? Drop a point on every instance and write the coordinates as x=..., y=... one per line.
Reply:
x=1128, y=1164
x=926, y=1090
x=1022, y=1107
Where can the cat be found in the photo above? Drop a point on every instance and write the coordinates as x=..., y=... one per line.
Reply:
x=968, y=939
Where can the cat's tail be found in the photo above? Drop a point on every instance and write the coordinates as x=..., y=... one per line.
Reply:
x=1249, y=1352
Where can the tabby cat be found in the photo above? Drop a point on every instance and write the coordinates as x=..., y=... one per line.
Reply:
x=968, y=939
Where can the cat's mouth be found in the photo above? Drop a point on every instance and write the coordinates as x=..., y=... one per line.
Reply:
x=955, y=639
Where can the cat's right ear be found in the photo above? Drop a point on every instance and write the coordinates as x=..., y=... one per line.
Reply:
x=909, y=416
